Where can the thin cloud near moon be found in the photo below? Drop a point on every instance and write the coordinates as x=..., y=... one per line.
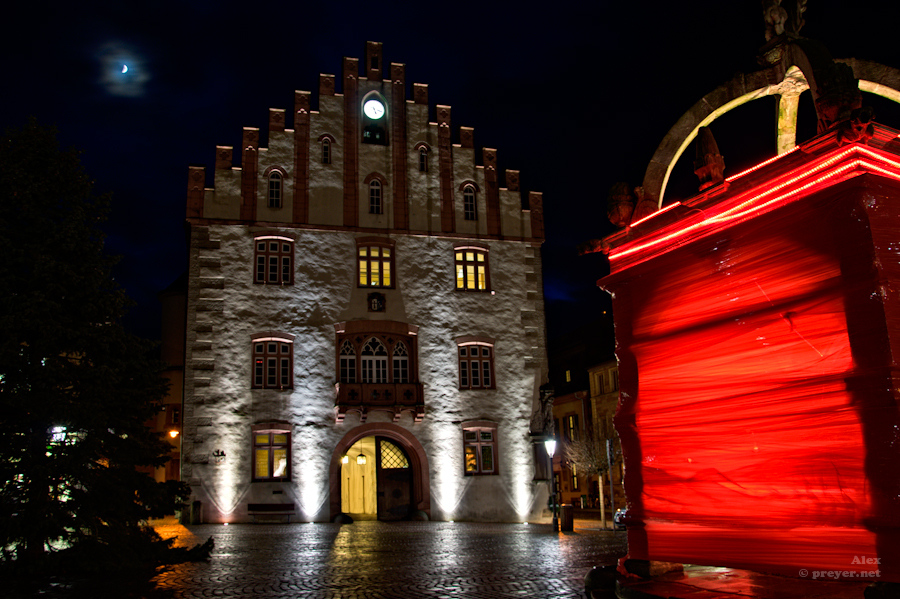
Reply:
x=122, y=72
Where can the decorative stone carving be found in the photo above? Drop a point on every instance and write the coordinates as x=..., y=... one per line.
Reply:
x=620, y=204
x=709, y=166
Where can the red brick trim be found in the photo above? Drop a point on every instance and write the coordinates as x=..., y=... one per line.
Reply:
x=301, y=157
x=327, y=136
x=276, y=119
x=373, y=53
x=224, y=160
x=398, y=145
x=351, y=142
x=470, y=339
x=512, y=180
x=492, y=195
x=420, y=93
x=375, y=176
x=270, y=427
x=421, y=145
x=272, y=335
x=466, y=137
x=326, y=85
x=249, y=169
x=195, y=191
x=387, y=241
x=536, y=206
x=445, y=166
x=462, y=185
x=280, y=169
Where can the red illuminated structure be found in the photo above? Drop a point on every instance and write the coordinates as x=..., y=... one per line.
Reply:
x=758, y=336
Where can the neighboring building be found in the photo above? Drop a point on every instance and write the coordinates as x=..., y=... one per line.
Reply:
x=365, y=327
x=572, y=419
x=604, y=399
x=167, y=421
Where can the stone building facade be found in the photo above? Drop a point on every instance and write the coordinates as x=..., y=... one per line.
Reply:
x=365, y=330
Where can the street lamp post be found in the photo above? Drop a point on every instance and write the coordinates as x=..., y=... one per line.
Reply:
x=550, y=445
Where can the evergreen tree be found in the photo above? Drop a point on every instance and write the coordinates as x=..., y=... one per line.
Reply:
x=76, y=389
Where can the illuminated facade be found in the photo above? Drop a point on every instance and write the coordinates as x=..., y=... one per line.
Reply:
x=365, y=329
x=776, y=449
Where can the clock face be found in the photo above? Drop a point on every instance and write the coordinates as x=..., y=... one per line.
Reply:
x=373, y=109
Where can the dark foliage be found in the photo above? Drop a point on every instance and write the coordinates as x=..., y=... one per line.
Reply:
x=76, y=389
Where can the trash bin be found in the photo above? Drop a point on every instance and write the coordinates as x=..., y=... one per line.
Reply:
x=566, y=517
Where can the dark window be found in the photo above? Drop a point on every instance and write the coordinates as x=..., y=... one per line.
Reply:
x=274, y=260
x=326, y=151
x=375, y=206
x=273, y=364
x=374, y=360
x=423, y=159
x=470, y=207
x=400, y=362
x=275, y=189
x=348, y=362
x=476, y=366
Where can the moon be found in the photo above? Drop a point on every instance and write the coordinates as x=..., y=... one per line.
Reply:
x=124, y=68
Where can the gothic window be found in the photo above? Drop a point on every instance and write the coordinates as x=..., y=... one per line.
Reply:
x=400, y=363
x=470, y=207
x=275, y=180
x=476, y=366
x=375, y=205
x=374, y=360
x=423, y=159
x=348, y=362
x=472, y=272
x=274, y=257
x=326, y=151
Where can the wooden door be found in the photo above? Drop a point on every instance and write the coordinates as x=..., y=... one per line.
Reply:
x=394, y=480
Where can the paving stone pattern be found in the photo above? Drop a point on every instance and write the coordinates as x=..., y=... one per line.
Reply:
x=375, y=560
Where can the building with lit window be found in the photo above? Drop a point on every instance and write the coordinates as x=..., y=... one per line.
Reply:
x=365, y=331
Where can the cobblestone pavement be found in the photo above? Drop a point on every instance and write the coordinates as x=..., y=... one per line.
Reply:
x=389, y=560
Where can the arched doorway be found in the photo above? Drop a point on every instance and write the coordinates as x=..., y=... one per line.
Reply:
x=376, y=480
x=395, y=468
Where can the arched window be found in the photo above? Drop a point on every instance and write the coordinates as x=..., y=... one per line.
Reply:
x=373, y=359
x=400, y=363
x=375, y=206
x=275, y=189
x=326, y=151
x=348, y=362
x=470, y=208
x=423, y=159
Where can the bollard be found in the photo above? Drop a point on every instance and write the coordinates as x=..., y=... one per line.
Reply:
x=566, y=517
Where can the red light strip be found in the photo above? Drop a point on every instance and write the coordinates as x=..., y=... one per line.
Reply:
x=652, y=214
x=761, y=164
x=742, y=210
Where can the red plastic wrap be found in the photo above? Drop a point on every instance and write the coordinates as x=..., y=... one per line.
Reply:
x=758, y=410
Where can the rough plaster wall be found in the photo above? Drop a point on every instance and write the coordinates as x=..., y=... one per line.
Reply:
x=324, y=294
x=513, y=220
x=464, y=169
x=226, y=195
x=423, y=189
x=279, y=153
x=326, y=181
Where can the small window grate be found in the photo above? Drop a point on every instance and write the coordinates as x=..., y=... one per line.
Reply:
x=392, y=456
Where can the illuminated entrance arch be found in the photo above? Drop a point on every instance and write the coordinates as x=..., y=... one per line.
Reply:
x=420, y=490
x=873, y=78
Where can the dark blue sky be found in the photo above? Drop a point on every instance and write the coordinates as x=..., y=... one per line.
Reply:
x=575, y=95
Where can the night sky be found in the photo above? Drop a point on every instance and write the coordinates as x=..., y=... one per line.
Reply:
x=575, y=95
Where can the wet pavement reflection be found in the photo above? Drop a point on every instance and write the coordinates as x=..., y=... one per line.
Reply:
x=382, y=559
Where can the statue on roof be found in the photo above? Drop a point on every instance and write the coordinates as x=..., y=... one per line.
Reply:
x=783, y=18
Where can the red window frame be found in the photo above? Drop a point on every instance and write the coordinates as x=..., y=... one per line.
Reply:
x=272, y=363
x=476, y=366
x=273, y=260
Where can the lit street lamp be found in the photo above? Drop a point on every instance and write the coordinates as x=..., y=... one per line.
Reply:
x=550, y=446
